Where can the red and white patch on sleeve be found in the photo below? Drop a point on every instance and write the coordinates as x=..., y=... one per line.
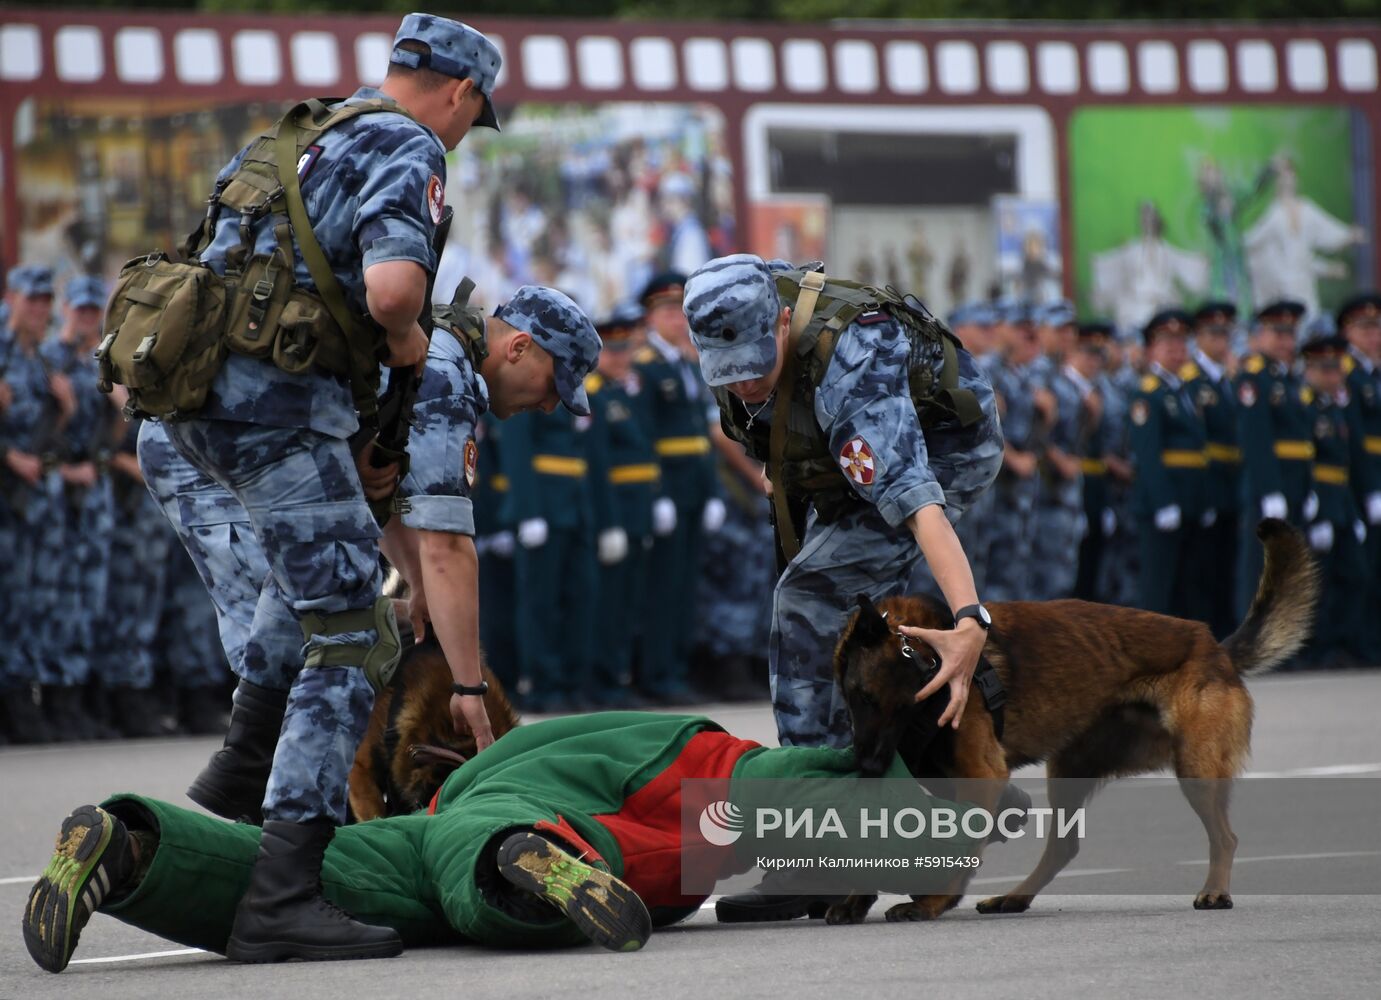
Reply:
x=472, y=461
x=856, y=459
x=436, y=198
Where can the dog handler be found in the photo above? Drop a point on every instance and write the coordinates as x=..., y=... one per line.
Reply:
x=878, y=431
x=563, y=831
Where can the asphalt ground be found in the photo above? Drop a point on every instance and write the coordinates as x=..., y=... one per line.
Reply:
x=1307, y=921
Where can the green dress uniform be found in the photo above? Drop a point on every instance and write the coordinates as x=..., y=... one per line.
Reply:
x=1170, y=494
x=681, y=404
x=1211, y=390
x=1341, y=618
x=494, y=545
x=546, y=458
x=1275, y=430
x=1364, y=406
x=622, y=410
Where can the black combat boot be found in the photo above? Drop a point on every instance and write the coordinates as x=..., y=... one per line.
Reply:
x=283, y=913
x=232, y=783
x=771, y=900
x=26, y=722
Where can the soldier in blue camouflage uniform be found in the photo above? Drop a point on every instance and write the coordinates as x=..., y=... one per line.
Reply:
x=884, y=488
x=1171, y=487
x=1120, y=572
x=1275, y=430
x=1060, y=523
x=533, y=354
x=908, y=484
x=85, y=519
x=1336, y=533
x=494, y=544
x=372, y=189
x=1010, y=574
x=1209, y=384
x=688, y=502
x=1359, y=322
x=31, y=493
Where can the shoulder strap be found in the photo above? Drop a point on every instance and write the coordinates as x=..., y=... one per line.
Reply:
x=812, y=283
x=285, y=149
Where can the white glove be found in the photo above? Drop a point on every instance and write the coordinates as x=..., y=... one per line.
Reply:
x=1311, y=506
x=1374, y=508
x=613, y=546
x=1168, y=518
x=1109, y=522
x=1273, y=505
x=1209, y=519
x=1321, y=536
x=663, y=516
x=1360, y=530
x=501, y=544
x=712, y=519
x=532, y=533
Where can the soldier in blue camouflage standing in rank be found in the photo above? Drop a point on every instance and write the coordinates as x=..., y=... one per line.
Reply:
x=85, y=518
x=1060, y=522
x=273, y=431
x=1011, y=566
x=879, y=431
x=31, y=488
x=494, y=545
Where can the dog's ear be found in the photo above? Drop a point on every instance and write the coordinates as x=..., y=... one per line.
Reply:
x=871, y=626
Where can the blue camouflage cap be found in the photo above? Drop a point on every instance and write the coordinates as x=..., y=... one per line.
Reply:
x=1013, y=311
x=564, y=332
x=1058, y=313
x=976, y=313
x=85, y=290
x=457, y=50
x=31, y=279
x=732, y=305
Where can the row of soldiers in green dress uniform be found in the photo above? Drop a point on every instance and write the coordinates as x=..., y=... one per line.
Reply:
x=1136, y=473
x=604, y=540
x=107, y=632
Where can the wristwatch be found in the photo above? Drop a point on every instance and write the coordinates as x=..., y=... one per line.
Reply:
x=978, y=613
x=481, y=688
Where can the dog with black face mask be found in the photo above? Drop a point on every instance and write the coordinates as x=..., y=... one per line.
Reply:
x=1094, y=691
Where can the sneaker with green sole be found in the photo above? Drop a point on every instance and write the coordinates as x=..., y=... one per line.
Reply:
x=91, y=858
x=605, y=909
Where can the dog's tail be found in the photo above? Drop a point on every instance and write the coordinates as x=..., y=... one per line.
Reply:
x=1281, y=617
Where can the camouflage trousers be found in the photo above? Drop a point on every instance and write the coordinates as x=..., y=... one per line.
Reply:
x=735, y=582
x=17, y=665
x=1060, y=527
x=87, y=520
x=139, y=549
x=1011, y=552
x=308, y=511
x=215, y=530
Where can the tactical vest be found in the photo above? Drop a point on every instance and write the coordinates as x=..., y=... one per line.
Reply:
x=170, y=323
x=803, y=467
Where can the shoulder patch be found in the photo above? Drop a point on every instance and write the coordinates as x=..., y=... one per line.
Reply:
x=1255, y=364
x=856, y=461
x=436, y=198
x=472, y=459
x=306, y=161
x=1149, y=383
x=1189, y=370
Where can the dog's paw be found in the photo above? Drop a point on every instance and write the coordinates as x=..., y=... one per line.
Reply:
x=848, y=911
x=928, y=908
x=1005, y=904
x=1210, y=900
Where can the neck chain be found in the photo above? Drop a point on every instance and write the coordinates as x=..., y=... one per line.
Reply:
x=754, y=414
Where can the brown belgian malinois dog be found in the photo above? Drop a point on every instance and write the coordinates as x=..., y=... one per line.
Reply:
x=1095, y=691
x=411, y=745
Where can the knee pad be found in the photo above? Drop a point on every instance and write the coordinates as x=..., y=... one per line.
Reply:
x=378, y=661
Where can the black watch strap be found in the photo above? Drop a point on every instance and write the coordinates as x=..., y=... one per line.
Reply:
x=481, y=688
x=977, y=612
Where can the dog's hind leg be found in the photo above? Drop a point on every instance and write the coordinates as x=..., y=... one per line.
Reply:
x=1128, y=739
x=1211, y=740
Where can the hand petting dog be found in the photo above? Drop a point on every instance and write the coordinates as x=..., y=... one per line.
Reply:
x=959, y=650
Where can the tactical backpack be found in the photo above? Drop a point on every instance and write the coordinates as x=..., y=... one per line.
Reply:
x=171, y=322
x=800, y=463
